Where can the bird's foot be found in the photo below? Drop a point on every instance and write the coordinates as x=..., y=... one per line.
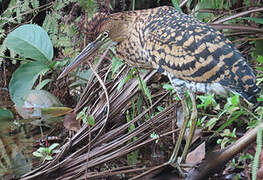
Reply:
x=176, y=165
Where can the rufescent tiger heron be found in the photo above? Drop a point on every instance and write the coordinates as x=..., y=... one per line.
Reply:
x=193, y=55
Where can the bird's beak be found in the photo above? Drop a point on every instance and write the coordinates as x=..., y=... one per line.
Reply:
x=90, y=49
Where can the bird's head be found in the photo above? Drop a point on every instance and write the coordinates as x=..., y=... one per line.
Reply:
x=105, y=31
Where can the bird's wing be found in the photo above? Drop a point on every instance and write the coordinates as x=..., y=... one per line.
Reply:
x=194, y=52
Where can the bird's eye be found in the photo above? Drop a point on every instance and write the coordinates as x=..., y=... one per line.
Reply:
x=105, y=34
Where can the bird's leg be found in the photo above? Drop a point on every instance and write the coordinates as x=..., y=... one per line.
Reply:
x=192, y=127
x=173, y=158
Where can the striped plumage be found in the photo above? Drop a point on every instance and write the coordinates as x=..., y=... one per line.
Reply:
x=181, y=46
x=192, y=54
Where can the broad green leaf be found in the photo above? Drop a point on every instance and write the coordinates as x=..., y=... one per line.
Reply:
x=23, y=80
x=30, y=41
x=5, y=114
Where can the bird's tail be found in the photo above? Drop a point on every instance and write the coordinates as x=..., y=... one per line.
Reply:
x=242, y=80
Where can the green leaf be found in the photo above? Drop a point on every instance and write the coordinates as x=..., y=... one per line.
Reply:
x=91, y=120
x=82, y=113
x=126, y=78
x=30, y=41
x=206, y=101
x=128, y=119
x=168, y=87
x=176, y=6
x=55, y=111
x=154, y=135
x=257, y=154
x=211, y=123
x=5, y=114
x=37, y=154
x=204, y=5
x=258, y=51
x=259, y=68
x=53, y=146
x=89, y=5
x=132, y=158
x=116, y=64
x=43, y=150
x=160, y=108
x=257, y=20
x=48, y=157
x=42, y=84
x=235, y=100
x=229, y=121
x=260, y=59
x=145, y=89
x=23, y=80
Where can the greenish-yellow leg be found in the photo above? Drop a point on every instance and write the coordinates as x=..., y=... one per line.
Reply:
x=173, y=158
x=193, y=119
x=192, y=127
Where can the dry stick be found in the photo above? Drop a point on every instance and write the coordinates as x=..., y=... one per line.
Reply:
x=226, y=154
x=236, y=27
x=88, y=149
x=117, y=153
x=108, y=104
x=183, y=3
x=112, y=172
x=238, y=15
x=107, y=98
x=68, y=159
x=113, y=107
x=67, y=145
x=81, y=104
x=126, y=149
x=102, y=159
x=119, y=129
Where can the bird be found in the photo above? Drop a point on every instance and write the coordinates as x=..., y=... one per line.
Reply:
x=193, y=55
